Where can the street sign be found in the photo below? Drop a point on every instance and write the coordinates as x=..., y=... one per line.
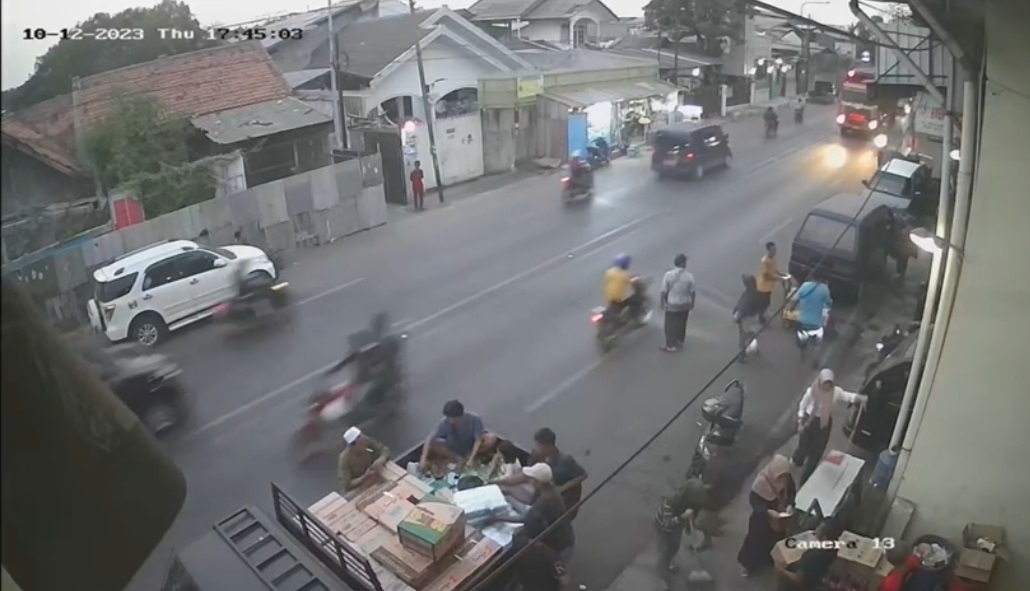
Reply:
x=929, y=117
x=529, y=87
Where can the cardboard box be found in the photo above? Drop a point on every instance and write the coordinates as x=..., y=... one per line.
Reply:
x=326, y=500
x=865, y=553
x=464, y=569
x=387, y=580
x=784, y=556
x=432, y=529
x=374, y=539
x=367, y=496
x=984, y=547
x=352, y=524
x=389, y=511
x=332, y=510
x=412, y=488
x=412, y=568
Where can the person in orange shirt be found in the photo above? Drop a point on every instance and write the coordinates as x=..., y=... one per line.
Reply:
x=767, y=279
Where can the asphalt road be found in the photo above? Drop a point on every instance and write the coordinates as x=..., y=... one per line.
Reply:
x=495, y=292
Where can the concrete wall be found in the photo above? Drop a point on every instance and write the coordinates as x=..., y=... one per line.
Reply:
x=546, y=30
x=969, y=460
x=300, y=211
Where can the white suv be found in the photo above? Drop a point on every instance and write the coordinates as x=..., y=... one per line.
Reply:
x=149, y=292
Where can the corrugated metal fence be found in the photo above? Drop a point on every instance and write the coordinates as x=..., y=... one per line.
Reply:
x=299, y=211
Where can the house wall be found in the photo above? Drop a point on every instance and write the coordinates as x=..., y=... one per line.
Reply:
x=28, y=184
x=303, y=210
x=545, y=30
x=509, y=138
x=742, y=54
x=968, y=460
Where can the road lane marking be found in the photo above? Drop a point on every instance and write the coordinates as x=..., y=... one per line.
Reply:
x=698, y=335
x=528, y=272
x=330, y=291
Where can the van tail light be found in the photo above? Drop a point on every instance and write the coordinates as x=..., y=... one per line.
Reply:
x=688, y=156
x=596, y=317
x=565, y=182
x=109, y=312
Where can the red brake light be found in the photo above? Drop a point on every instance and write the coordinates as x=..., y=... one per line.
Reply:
x=595, y=318
x=688, y=156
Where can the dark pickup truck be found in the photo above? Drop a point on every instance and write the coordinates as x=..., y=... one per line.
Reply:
x=295, y=551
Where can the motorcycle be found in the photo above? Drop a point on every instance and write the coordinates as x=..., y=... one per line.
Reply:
x=612, y=324
x=799, y=115
x=353, y=402
x=258, y=297
x=724, y=417
x=573, y=193
x=810, y=340
x=772, y=126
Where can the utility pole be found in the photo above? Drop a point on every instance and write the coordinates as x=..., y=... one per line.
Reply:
x=427, y=107
x=339, y=125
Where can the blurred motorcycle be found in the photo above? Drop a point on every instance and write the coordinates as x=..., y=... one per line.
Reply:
x=723, y=419
x=612, y=324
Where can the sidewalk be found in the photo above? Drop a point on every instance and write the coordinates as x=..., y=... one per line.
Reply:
x=721, y=559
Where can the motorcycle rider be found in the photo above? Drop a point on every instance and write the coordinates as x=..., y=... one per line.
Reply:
x=580, y=174
x=618, y=286
x=376, y=355
x=772, y=121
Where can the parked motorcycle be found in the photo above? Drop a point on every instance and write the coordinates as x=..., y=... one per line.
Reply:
x=613, y=324
x=799, y=116
x=723, y=419
x=599, y=154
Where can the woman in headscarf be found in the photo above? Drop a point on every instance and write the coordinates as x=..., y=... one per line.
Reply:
x=815, y=419
x=771, y=494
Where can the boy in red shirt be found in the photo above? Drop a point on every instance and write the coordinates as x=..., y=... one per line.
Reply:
x=418, y=189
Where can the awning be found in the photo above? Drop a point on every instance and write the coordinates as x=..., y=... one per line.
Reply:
x=583, y=96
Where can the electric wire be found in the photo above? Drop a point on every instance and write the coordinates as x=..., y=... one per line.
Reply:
x=480, y=582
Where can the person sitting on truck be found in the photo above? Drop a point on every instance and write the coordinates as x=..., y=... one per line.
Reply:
x=549, y=508
x=460, y=437
x=567, y=473
x=360, y=461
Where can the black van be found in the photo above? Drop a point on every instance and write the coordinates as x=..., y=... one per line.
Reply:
x=848, y=242
x=885, y=386
x=690, y=148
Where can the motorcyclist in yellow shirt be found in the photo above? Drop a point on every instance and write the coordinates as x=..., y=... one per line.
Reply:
x=618, y=284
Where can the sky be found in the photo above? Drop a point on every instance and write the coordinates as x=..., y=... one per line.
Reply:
x=19, y=55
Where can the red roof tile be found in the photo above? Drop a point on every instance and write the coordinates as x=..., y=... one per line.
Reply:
x=189, y=84
x=46, y=131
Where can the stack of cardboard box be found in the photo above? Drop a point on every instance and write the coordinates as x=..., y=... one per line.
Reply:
x=415, y=540
x=983, y=547
x=863, y=559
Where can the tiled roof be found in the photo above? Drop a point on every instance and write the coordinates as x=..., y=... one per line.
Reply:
x=188, y=84
x=45, y=131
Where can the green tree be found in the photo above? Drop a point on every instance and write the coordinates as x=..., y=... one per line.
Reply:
x=707, y=20
x=140, y=147
x=72, y=58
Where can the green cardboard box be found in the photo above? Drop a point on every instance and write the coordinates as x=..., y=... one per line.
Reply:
x=432, y=529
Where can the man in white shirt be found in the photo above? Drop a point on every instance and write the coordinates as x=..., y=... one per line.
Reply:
x=815, y=419
x=678, y=300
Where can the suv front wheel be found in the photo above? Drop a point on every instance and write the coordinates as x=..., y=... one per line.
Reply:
x=148, y=329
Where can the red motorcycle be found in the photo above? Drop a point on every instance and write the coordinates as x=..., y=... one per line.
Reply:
x=324, y=408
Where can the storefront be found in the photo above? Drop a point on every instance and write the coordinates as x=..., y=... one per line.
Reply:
x=555, y=114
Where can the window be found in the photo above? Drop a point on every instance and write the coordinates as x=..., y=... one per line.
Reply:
x=116, y=288
x=162, y=273
x=828, y=233
x=890, y=183
x=225, y=252
x=196, y=262
x=853, y=95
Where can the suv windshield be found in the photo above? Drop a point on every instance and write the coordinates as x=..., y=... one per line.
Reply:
x=828, y=233
x=890, y=183
x=118, y=287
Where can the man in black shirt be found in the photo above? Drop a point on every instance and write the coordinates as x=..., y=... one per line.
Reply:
x=548, y=508
x=567, y=473
x=807, y=574
x=539, y=568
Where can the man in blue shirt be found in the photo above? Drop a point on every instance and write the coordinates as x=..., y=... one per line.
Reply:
x=811, y=299
x=460, y=437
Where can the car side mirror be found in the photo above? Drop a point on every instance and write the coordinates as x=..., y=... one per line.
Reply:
x=220, y=263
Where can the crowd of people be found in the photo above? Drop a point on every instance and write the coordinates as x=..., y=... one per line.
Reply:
x=549, y=486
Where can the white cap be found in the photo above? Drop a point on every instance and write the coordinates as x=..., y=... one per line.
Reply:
x=540, y=472
x=826, y=375
x=351, y=435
